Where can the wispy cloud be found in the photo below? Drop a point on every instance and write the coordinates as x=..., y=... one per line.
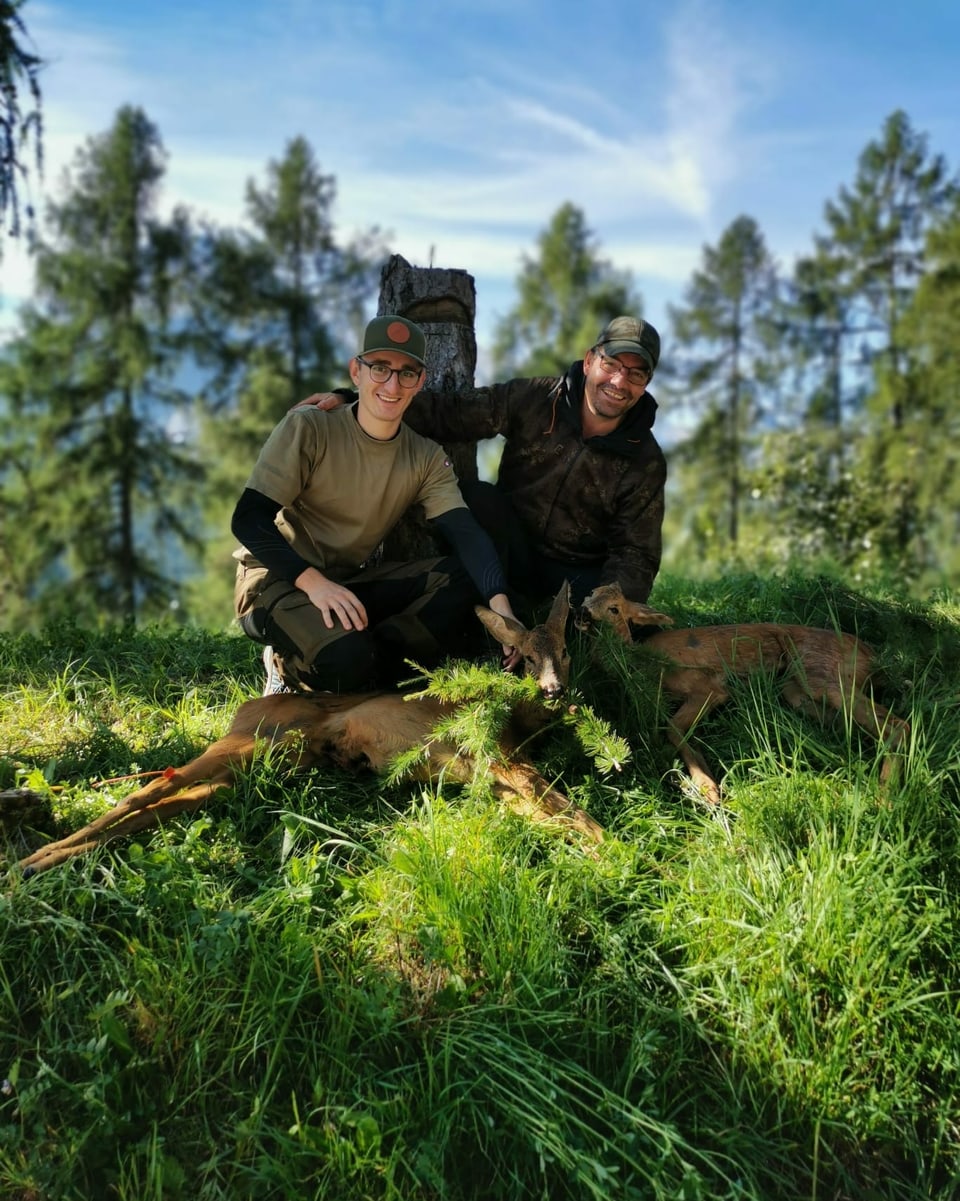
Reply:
x=461, y=128
x=715, y=79
x=471, y=175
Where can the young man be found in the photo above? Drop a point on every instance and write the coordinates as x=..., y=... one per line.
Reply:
x=580, y=489
x=325, y=491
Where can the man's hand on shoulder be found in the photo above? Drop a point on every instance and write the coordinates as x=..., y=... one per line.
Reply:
x=322, y=400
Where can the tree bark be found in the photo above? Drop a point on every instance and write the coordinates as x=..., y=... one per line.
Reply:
x=443, y=302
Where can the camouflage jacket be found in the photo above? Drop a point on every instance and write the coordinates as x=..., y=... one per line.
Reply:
x=594, y=500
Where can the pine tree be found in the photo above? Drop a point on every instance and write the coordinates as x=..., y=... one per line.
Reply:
x=878, y=232
x=92, y=473
x=818, y=320
x=877, y=235
x=930, y=334
x=803, y=473
x=566, y=294
x=727, y=327
x=282, y=298
x=20, y=123
x=276, y=317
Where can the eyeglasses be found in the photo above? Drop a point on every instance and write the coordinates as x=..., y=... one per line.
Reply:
x=407, y=377
x=610, y=366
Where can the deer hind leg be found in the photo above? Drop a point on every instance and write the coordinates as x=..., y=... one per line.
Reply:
x=128, y=822
x=894, y=737
x=799, y=696
x=185, y=788
x=890, y=731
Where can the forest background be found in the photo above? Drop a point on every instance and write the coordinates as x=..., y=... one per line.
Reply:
x=807, y=413
x=337, y=985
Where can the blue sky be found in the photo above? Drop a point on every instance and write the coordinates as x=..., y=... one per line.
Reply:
x=460, y=127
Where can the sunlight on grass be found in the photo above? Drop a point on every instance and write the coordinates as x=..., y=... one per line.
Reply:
x=335, y=985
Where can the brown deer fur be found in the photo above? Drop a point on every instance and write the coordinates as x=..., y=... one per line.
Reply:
x=820, y=668
x=360, y=731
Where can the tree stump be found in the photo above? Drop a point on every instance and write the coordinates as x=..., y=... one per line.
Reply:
x=443, y=302
x=26, y=819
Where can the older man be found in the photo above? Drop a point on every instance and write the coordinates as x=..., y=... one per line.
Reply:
x=325, y=491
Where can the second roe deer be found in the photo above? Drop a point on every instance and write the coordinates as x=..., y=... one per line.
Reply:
x=819, y=668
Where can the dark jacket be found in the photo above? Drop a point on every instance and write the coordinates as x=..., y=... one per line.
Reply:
x=596, y=501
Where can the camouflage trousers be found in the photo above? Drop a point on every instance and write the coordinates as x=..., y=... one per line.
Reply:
x=420, y=611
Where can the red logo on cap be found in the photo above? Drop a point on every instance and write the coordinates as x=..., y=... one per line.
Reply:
x=398, y=332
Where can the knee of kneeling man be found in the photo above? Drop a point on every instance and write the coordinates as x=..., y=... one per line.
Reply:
x=347, y=665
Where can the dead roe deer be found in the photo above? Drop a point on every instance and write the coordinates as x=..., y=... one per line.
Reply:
x=360, y=731
x=820, y=668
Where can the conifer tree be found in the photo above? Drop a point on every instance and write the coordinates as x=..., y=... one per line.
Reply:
x=281, y=299
x=21, y=129
x=91, y=474
x=804, y=469
x=850, y=487
x=878, y=231
x=276, y=317
x=725, y=334
x=566, y=294
x=930, y=334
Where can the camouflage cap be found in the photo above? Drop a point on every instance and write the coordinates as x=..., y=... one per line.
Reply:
x=391, y=332
x=631, y=335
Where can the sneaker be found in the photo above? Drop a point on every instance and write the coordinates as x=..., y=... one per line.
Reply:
x=274, y=682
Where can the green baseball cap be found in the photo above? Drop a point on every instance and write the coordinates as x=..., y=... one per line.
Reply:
x=391, y=332
x=631, y=335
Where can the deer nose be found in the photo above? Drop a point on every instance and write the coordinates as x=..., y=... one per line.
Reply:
x=552, y=689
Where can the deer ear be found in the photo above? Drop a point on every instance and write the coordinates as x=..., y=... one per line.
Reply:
x=642, y=615
x=560, y=609
x=507, y=630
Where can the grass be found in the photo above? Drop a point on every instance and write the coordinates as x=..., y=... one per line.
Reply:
x=335, y=986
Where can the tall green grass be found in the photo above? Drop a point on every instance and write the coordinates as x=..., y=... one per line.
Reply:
x=333, y=986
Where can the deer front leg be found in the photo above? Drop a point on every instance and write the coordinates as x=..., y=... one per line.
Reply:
x=678, y=730
x=529, y=794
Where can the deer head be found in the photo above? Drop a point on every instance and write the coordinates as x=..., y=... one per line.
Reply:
x=607, y=603
x=544, y=648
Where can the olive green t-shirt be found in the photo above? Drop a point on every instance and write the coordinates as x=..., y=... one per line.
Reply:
x=342, y=491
